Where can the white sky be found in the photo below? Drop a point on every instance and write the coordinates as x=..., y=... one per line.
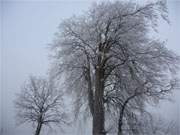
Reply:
x=28, y=27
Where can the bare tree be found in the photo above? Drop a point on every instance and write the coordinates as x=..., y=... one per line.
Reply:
x=131, y=107
x=129, y=103
x=109, y=59
x=40, y=103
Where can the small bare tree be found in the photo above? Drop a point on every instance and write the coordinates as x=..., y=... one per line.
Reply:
x=40, y=103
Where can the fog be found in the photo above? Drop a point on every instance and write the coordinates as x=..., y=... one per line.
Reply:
x=27, y=27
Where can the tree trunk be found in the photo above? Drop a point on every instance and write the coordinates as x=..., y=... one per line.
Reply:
x=90, y=90
x=121, y=115
x=39, y=126
x=120, y=123
x=98, y=117
x=38, y=129
x=90, y=97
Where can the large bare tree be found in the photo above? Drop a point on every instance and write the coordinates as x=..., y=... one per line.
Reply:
x=111, y=62
x=40, y=103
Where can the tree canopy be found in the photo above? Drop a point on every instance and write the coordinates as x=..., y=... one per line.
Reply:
x=111, y=63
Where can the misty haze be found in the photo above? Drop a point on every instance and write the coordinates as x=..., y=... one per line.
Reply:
x=86, y=67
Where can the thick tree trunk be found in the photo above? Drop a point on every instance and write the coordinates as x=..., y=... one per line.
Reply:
x=98, y=117
x=38, y=129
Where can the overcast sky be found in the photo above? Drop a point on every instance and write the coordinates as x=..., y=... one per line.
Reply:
x=27, y=28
